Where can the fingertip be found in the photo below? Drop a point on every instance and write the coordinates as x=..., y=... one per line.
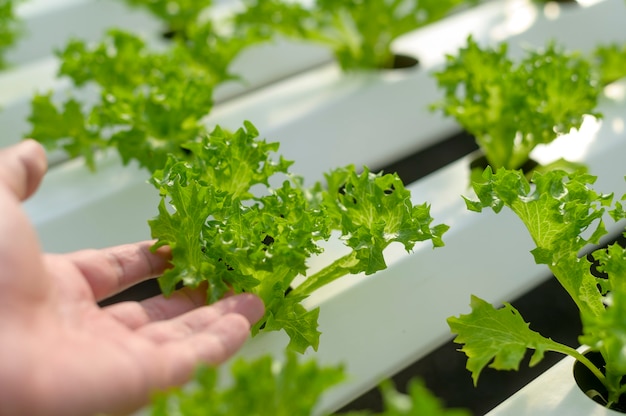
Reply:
x=23, y=166
x=33, y=156
x=212, y=346
x=34, y=146
x=165, y=253
x=253, y=307
x=231, y=331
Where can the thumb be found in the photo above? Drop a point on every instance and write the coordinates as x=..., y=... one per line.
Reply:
x=22, y=167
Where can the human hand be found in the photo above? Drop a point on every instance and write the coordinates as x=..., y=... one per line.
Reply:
x=62, y=354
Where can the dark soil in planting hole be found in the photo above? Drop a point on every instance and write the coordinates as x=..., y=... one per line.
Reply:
x=170, y=34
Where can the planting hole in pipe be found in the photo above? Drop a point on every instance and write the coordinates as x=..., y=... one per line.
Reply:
x=169, y=34
x=480, y=162
x=404, y=61
x=591, y=386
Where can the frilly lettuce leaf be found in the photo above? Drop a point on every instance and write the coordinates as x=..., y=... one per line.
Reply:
x=149, y=101
x=259, y=387
x=606, y=332
x=10, y=27
x=609, y=61
x=176, y=14
x=292, y=387
x=544, y=95
x=359, y=34
x=564, y=216
x=240, y=221
x=558, y=209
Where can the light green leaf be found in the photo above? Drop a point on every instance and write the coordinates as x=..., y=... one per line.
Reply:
x=239, y=219
x=360, y=34
x=373, y=211
x=536, y=99
x=67, y=128
x=609, y=61
x=150, y=101
x=607, y=332
x=263, y=387
x=497, y=338
x=11, y=27
x=297, y=322
x=557, y=208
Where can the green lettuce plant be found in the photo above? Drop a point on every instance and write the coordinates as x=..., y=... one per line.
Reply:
x=148, y=101
x=610, y=62
x=263, y=386
x=10, y=27
x=267, y=387
x=359, y=33
x=238, y=221
x=512, y=107
x=177, y=15
x=564, y=217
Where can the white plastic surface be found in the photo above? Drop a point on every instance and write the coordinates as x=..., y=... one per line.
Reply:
x=553, y=393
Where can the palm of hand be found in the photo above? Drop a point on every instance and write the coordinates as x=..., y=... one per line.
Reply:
x=60, y=353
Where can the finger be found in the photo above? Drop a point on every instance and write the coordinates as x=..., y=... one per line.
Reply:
x=22, y=167
x=148, y=368
x=202, y=319
x=157, y=308
x=111, y=270
x=212, y=347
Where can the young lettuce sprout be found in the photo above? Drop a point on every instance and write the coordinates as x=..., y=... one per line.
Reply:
x=563, y=216
x=241, y=222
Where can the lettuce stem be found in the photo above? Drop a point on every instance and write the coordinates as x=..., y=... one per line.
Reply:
x=333, y=271
x=585, y=361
